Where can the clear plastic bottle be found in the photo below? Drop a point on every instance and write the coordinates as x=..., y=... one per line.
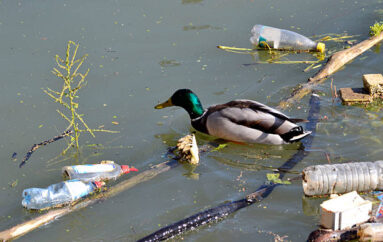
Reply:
x=264, y=37
x=58, y=194
x=97, y=172
x=371, y=232
x=342, y=178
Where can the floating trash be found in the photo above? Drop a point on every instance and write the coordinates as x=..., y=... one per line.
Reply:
x=274, y=38
x=107, y=170
x=58, y=194
x=342, y=178
x=188, y=149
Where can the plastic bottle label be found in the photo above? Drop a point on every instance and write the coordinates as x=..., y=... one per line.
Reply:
x=379, y=212
x=262, y=42
x=94, y=168
x=77, y=189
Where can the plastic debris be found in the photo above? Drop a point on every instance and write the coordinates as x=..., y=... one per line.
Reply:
x=371, y=232
x=274, y=38
x=188, y=149
x=342, y=178
x=106, y=170
x=379, y=211
x=58, y=194
x=345, y=211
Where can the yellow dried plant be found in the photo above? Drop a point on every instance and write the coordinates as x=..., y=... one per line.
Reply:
x=68, y=70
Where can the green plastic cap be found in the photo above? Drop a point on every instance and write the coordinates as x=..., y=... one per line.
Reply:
x=321, y=47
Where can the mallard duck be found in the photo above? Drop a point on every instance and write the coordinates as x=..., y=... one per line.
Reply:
x=244, y=121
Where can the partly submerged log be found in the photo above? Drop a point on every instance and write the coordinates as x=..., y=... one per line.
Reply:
x=370, y=231
x=33, y=224
x=334, y=63
x=324, y=235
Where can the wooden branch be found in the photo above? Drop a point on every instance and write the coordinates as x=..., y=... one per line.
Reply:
x=36, y=146
x=50, y=216
x=334, y=63
x=323, y=235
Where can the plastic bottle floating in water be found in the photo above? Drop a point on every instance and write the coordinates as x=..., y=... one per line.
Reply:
x=269, y=37
x=342, y=178
x=97, y=172
x=58, y=194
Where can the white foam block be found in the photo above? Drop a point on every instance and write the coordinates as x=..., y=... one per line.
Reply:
x=344, y=211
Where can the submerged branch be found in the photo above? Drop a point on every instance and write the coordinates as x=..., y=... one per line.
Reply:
x=36, y=146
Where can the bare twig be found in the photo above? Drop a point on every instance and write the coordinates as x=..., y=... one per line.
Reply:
x=36, y=146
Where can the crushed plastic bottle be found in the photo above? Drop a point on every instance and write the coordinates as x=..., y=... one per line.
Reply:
x=264, y=37
x=97, y=172
x=342, y=178
x=58, y=194
x=371, y=232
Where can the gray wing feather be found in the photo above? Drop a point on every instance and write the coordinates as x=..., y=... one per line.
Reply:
x=256, y=119
x=222, y=127
x=264, y=108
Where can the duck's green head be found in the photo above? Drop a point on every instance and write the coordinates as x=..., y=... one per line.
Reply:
x=186, y=99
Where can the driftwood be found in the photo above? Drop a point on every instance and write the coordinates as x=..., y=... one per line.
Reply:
x=324, y=235
x=334, y=63
x=32, y=224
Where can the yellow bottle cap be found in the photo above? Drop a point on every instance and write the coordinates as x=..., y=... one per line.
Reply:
x=321, y=47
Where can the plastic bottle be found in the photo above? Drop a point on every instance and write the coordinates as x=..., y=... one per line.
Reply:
x=371, y=232
x=58, y=194
x=97, y=172
x=264, y=37
x=342, y=178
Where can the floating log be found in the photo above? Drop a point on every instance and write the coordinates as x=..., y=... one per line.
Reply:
x=325, y=235
x=370, y=231
x=334, y=63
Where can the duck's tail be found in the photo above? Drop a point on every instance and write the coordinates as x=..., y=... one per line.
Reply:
x=295, y=134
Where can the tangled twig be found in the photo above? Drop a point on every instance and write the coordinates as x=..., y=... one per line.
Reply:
x=36, y=146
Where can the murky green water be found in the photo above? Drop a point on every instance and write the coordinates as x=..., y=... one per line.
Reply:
x=139, y=53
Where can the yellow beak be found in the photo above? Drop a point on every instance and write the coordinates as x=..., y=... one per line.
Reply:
x=168, y=103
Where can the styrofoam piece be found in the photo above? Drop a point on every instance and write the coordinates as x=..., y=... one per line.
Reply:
x=344, y=211
x=373, y=83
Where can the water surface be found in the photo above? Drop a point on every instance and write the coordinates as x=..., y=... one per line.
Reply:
x=139, y=53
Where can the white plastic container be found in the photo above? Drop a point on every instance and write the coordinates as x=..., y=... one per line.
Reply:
x=97, y=172
x=58, y=194
x=265, y=37
x=344, y=211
